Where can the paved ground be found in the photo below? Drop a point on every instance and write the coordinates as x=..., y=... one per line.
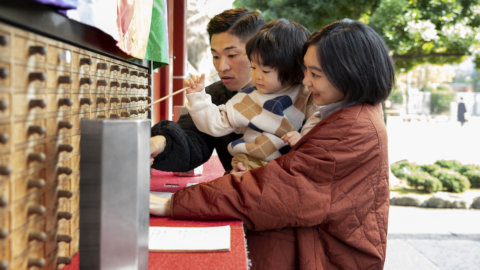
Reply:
x=431, y=239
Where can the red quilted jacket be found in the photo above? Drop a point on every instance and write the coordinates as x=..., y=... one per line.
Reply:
x=324, y=205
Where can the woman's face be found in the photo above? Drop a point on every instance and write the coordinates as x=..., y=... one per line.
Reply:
x=323, y=92
x=231, y=61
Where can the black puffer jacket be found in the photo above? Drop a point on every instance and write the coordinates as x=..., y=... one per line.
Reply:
x=187, y=147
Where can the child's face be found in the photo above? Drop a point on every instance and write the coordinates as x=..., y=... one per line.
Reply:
x=264, y=77
x=323, y=92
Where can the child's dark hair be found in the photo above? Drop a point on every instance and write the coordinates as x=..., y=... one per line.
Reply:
x=239, y=22
x=355, y=60
x=278, y=44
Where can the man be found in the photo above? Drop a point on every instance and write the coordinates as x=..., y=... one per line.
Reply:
x=180, y=146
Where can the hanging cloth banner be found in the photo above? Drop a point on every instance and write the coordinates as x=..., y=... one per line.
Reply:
x=157, y=49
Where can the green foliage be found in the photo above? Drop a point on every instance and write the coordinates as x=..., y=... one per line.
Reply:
x=474, y=177
x=452, y=181
x=427, y=89
x=396, y=97
x=449, y=164
x=402, y=168
x=425, y=181
x=442, y=88
x=417, y=32
x=429, y=168
x=440, y=102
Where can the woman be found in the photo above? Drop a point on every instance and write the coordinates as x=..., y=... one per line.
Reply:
x=323, y=205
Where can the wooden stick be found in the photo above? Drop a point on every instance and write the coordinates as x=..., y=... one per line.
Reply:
x=167, y=96
x=172, y=94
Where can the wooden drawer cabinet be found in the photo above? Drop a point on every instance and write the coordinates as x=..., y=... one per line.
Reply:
x=46, y=87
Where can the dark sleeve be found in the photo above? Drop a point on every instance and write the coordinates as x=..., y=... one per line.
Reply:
x=186, y=147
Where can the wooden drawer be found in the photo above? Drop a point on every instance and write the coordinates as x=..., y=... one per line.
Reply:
x=28, y=236
x=5, y=41
x=27, y=184
x=60, y=81
x=32, y=105
x=63, y=125
x=31, y=207
x=24, y=131
x=5, y=73
x=5, y=138
x=60, y=57
x=30, y=159
x=29, y=78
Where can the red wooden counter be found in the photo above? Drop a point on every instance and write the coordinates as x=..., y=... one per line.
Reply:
x=234, y=259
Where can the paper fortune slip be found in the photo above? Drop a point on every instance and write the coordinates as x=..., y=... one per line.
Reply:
x=189, y=239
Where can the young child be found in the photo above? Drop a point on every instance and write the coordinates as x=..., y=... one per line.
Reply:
x=263, y=113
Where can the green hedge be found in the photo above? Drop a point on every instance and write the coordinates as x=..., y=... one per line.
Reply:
x=425, y=181
x=451, y=180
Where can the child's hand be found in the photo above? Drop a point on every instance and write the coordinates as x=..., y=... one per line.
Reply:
x=291, y=137
x=196, y=83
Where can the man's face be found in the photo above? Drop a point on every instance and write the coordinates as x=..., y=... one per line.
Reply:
x=231, y=61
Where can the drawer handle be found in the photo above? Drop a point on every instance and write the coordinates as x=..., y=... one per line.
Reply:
x=86, y=101
x=65, y=102
x=3, y=105
x=40, y=130
x=38, y=262
x=36, y=210
x=114, y=100
x=114, y=116
x=4, y=138
x=133, y=85
x=85, y=61
x=133, y=73
x=102, y=83
x=39, y=157
x=133, y=112
x=3, y=233
x=124, y=70
x=64, y=215
x=3, y=41
x=141, y=111
x=102, y=66
x=3, y=265
x=114, y=68
x=63, y=260
x=64, y=170
x=125, y=114
x=133, y=98
x=65, y=124
x=124, y=85
x=5, y=170
x=125, y=100
x=64, y=238
x=36, y=76
x=65, y=148
x=85, y=81
x=37, y=50
x=36, y=183
x=114, y=84
x=65, y=79
x=62, y=193
x=102, y=100
x=37, y=236
x=3, y=201
x=40, y=103
x=3, y=73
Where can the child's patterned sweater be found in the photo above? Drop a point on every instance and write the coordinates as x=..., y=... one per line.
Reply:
x=262, y=119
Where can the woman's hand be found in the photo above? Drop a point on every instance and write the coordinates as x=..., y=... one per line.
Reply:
x=159, y=206
x=291, y=137
x=157, y=145
x=196, y=83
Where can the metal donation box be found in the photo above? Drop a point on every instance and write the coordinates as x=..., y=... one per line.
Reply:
x=114, y=194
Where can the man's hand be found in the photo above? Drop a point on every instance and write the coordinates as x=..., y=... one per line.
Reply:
x=196, y=83
x=159, y=206
x=291, y=137
x=157, y=145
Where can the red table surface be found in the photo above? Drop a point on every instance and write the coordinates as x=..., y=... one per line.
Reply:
x=236, y=258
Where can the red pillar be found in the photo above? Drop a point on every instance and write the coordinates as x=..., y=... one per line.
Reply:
x=162, y=85
x=179, y=49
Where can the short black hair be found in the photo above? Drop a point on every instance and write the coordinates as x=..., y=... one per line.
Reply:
x=239, y=22
x=355, y=60
x=279, y=45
